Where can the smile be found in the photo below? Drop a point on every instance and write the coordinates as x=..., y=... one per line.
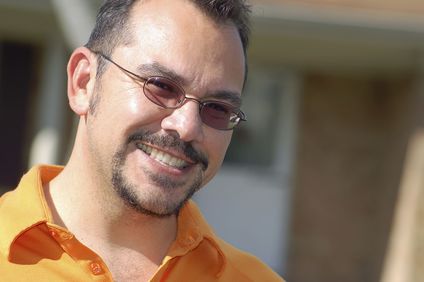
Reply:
x=163, y=157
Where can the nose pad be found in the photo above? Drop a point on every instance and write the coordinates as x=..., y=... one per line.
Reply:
x=185, y=121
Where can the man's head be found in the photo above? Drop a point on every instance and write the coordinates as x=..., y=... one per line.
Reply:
x=156, y=157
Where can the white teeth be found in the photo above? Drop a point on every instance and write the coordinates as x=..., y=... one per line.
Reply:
x=148, y=149
x=162, y=156
x=166, y=158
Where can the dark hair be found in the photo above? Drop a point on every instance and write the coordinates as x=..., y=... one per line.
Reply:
x=109, y=29
x=229, y=11
x=113, y=17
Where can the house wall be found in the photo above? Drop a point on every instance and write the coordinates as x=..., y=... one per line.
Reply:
x=353, y=134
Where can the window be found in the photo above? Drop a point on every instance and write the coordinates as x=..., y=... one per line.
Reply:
x=254, y=141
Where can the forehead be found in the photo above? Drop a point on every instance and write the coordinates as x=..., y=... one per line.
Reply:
x=177, y=35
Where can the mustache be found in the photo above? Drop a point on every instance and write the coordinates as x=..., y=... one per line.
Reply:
x=171, y=142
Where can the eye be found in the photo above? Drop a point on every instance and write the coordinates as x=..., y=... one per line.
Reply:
x=161, y=87
x=217, y=111
x=218, y=107
x=163, y=92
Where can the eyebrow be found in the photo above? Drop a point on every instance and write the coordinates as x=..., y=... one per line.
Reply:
x=231, y=97
x=156, y=69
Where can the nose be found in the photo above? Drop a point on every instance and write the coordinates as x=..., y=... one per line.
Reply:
x=185, y=121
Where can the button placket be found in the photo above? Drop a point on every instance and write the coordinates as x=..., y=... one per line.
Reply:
x=66, y=236
x=64, y=239
x=53, y=233
x=70, y=244
x=59, y=235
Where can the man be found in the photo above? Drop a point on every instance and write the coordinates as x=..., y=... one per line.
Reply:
x=157, y=89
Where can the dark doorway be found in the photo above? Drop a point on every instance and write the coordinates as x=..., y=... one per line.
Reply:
x=16, y=76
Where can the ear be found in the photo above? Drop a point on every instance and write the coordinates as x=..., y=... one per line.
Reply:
x=81, y=79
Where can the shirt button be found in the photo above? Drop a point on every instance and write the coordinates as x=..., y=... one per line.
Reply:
x=66, y=236
x=96, y=268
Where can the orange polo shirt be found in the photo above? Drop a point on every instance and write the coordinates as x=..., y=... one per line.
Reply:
x=33, y=248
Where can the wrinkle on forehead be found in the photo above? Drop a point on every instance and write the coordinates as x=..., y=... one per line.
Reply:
x=188, y=46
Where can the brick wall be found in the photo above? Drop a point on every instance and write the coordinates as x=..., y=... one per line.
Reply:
x=353, y=136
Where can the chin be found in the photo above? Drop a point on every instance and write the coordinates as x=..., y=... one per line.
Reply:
x=160, y=201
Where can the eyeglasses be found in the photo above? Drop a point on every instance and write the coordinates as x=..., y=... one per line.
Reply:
x=168, y=94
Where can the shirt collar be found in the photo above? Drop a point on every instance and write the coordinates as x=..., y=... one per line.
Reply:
x=192, y=230
x=26, y=206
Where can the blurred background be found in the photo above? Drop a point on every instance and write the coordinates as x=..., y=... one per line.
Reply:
x=323, y=182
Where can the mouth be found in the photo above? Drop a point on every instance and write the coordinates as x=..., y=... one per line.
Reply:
x=163, y=157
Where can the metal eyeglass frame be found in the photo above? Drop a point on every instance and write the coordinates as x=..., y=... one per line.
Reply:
x=238, y=113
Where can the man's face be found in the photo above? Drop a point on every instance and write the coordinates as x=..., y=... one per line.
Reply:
x=157, y=158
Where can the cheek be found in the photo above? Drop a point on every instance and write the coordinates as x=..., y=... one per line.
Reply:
x=131, y=109
x=134, y=106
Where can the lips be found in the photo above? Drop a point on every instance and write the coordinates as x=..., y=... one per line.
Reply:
x=169, y=150
x=163, y=157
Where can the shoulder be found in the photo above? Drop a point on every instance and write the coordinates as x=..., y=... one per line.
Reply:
x=243, y=266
